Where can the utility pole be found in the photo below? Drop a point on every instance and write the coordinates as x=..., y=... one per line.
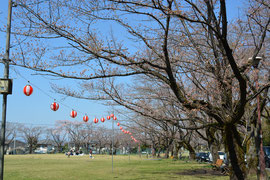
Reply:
x=6, y=86
x=112, y=141
x=259, y=122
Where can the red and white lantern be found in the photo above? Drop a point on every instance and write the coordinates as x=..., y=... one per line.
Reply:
x=112, y=115
x=27, y=90
x=54, y=106
x=108, y=117
x=85, y=118
x=121, y=128
x=73, y=114
x=114, y=118
x=95, y=120
x=102, y=119
x=118, y=124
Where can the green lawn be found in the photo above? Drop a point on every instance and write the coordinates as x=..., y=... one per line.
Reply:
x=59, y=166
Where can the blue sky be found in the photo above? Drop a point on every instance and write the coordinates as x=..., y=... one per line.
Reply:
x=35, y=109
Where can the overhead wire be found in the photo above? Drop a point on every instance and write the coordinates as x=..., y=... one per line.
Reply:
x=47, y=94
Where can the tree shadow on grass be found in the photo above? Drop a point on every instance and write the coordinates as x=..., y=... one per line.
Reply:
x=209, y=172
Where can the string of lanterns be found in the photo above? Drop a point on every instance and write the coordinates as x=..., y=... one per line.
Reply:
x=28, y=90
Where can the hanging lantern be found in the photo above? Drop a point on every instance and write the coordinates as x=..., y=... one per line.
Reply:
x=27, y=90
x=127, y=132
x=118, y=124
x=108, y=117
x=54, y=106
x=121, y=128
x=114, y=118
x=73, y=114
x=131, y=137
x=95, y=120
x=102, y=119
x=85, y=118
x=112, y=115
x=130, y=133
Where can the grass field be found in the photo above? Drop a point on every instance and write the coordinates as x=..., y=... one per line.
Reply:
x=59, y=166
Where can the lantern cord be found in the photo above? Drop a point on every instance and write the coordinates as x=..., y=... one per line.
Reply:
x=18, y=73
x=60, y=102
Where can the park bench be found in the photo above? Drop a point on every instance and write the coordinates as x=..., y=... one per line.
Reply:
x=220, y=166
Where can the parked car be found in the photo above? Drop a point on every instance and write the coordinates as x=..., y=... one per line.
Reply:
x=266, y=150
x=221, y=154
x=202, y=157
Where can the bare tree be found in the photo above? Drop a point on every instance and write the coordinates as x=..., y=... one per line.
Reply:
x=58, y=135
x=31, y=135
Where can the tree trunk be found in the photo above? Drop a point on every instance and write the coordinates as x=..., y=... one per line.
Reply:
x=192, y=154
x=251, y=154
x=153, y=151
x=176, y=148
x=159, y=149
x=212, y=143
x=166, y=153
x=214, y=152
x=236, y=152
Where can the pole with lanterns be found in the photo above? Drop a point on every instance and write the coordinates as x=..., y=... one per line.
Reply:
x=5, y=89
x=255, y=64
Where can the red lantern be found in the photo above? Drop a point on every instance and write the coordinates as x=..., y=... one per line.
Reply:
x=118, y=124
x=121, y=128
x=85, y=118
x=95, y=120
x=54, y=106
x=130, y=133
x=73, y=114
x=27, y=90
x=114, y=118
x=127, y=132
x=112, y=115
x=102, y=119
x=108, y=117
x=131, y=137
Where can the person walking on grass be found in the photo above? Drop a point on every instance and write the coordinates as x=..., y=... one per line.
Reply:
x=90, y=154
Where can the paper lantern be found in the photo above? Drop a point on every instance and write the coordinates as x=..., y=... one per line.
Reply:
x=108, y=117
x=95, y=120
x=118, y=124
x=85, y=118
x=121, y=128
x=130, y=133
x=114, y=118
x=102, y=119
x=73, y=114
x=54, y=106
x=112, y=115
x=27, y=90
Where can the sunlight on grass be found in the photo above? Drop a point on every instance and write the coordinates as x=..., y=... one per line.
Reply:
x=59, y=166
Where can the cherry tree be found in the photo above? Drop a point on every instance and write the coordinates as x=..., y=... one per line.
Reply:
x=185, y=46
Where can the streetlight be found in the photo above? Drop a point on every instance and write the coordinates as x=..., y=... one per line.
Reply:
x=255, y=65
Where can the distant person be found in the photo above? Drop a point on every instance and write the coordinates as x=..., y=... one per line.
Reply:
x=90, y=154
x=68, y=153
